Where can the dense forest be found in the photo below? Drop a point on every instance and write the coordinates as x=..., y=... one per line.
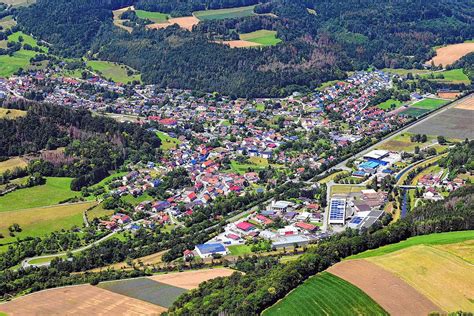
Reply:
x=258, y=289
x=319, y=44
x=78, y=144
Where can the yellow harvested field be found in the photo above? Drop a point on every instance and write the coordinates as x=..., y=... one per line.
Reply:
x=239, y=44
x=464, y=250
x=449, y=54
x=11, y=113
x=448, y=95
x=186, y=22
x=442, y=277
x=191, y=279
x=79, y=300
x=466, y=104
x=119, y=22
x=12, y=163
x=147, y=260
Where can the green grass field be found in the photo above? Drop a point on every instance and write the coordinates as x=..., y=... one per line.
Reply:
x=402, y=142
x=220, y=14
x=11, y=64
x=36, y=222
x=155, y=17
x=414, y=112
x=167, y=142
x=239, y=250
x=135, y=200
x=114, y=71
x=452, y=76
x=326, y=294
x=51, y=193
x=12, y=163
x=432, y=239
x=429, y=104
x=262, y=37
x=387, y=105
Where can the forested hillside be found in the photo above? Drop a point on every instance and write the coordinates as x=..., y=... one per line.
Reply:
x=321, y=40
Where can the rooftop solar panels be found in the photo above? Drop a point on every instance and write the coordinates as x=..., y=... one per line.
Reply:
x=337, y=211
x=356, y=220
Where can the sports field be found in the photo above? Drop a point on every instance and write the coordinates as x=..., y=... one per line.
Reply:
x=220, y=14
x=262, y=37
x=430, y=104
x=414, y=112
x=439, y=275
x=54, y=191
x=12, y=163
x=326, y=294
x=432, y=239
x=116, y=72
x=40, y=221
x=155, y=17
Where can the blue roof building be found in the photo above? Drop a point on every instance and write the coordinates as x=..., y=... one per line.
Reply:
x=207, y=250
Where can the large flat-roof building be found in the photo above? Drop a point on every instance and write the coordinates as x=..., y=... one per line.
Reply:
x=365, y=219
x=290, y=241
x=207, y=250
x=337, y=211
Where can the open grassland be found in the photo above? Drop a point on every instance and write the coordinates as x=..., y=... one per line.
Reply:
x=17, y=3
x=262, y=37
x=54, y=191
x=432, y=239
x=254, y=164
x=155, y=17
x=78, y=300
x=240, y=250
x=12, y=163
x=116, y=72
x=147, y=260
x=118, y=21
x=167, y=142
x=430, y=104
x=449, y=76
x=11, y=113
x=449, y=54
x=11, y=64
x=392, y=293
x=220, y=14
x=40, y=221
x=402, y=142
x=403, y=72
x=346, y=189
x=7, y=22
x=442, y=277
x=389, y=104
x=185, y=22
x=326, y=294
x=414, y=112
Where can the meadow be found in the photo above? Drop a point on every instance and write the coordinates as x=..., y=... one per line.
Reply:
x=155, y=17
x=452, y=76
x=12, y=163
x=7, y=22
x=11, y=113
x=402, y=142
x=36, y=222
x=11, y=64
x=387, y=105
x=432, y=239
x=54, y=191
x=442, y=277
x=414, y=112
x=167, y=142
x=116, y=72
x=239, y=250
x=220, y=14
x=346, y=189
x=262, y=37
x=326, y=294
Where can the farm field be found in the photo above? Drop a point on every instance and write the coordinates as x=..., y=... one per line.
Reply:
x=403, y=72
x=7, y=22
x=454, y=122
x=12, y=163
x=11, y=64
x=429, y=104
x=191, y=279
x=145, y=289
x=11, y=113
x=239, y=44
x=464, y=250
x=185, y=22
x=432, y=239
x=220, y=14
x=388, y=104
x=346, y=189
x=392, y=293
x=54, y=191
x=147, y=260
x=451, y=53
x=78, y=300
x=442, y=277
x=452, y=76
x=167, y=142
x=262, y=37
x=39, y=221
x=319, y=295
x=114, y=71
x=155, y=17
x=402, y=142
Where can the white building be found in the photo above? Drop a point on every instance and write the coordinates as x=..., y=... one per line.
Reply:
x=337, y=211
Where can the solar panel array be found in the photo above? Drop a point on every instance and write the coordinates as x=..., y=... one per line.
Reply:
x=337, y=210
x=356, y=220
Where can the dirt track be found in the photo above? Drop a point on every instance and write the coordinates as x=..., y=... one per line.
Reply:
x=79, y=300
x=392, y=293
x=191, y=279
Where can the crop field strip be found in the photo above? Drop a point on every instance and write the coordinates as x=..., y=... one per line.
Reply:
x=220, y=14
x=326, y=294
